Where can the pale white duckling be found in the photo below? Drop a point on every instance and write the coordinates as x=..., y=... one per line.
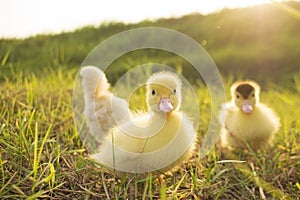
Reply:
x=246, y=120
x=154, y=141
x=99, y=102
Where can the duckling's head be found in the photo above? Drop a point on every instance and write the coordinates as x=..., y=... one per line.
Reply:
x=245, y=95
x=164, y=92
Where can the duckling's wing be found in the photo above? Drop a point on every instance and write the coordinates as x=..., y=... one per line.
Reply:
x=270, y=116
x=102, y=109
x=94, y=82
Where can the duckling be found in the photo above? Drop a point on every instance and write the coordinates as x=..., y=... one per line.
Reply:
x=155, y=141
x=246, y=120
x=98, y=109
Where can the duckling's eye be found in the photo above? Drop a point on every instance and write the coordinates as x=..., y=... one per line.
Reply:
x=153, y=92
x=253, y=95
x=174, y=91
x=237, y=96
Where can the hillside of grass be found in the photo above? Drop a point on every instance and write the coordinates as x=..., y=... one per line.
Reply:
x=259, y=42
x=42, y=156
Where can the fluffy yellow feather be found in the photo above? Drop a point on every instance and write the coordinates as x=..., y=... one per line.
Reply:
x=154, y=141
x=246, y=120
x=98, y=109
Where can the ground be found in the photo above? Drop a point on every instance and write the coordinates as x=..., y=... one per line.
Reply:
x=43, y=157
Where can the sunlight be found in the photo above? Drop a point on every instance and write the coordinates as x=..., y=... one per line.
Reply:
x=20, y=18
x=239, y=3
x=215, y=5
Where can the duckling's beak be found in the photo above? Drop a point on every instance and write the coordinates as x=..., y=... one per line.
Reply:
x=247, y=107
x=165, y=104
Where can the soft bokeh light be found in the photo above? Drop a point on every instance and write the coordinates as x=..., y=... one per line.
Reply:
x=20, y=18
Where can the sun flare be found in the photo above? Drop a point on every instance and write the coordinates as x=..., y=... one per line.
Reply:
x=238, y=3
x=214, y=5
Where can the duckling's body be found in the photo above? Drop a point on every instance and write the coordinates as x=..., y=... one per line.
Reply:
x=154, y=141
x=143, y=151
x=246, y=120
x=256, y=129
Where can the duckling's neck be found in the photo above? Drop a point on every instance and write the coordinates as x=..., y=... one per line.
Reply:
x=155, y=114
x=160, y=114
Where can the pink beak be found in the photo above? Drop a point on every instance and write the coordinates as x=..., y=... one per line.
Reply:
x=165, y=105
x=247, y=108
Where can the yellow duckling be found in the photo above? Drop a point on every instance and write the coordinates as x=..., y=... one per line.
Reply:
x=98, y=100
x=154, y=141
x=246, y=120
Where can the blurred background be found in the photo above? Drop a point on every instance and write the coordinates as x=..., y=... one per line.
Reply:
x=247, y=39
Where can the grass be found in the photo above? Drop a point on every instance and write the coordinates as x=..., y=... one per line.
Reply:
x=43, y=157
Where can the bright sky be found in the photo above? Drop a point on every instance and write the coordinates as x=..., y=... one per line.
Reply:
x=23, y=18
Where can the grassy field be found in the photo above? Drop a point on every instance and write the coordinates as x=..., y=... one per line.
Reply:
x=42, y=155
